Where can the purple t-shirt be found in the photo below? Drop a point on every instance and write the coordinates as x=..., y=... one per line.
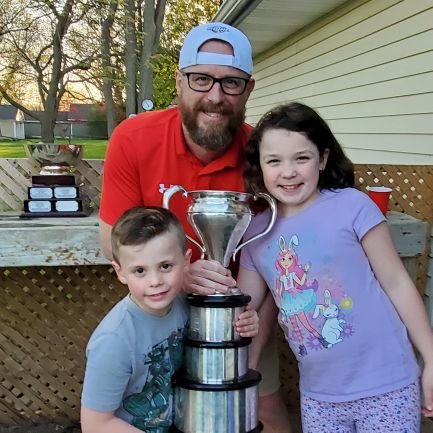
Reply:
x=346, y=334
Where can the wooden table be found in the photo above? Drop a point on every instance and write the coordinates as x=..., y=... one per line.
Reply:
x=75, y=241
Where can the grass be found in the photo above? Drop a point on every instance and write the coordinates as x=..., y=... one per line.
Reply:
x=93, y=149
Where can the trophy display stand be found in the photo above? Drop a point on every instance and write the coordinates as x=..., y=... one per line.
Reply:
x=56, y=195
x=215, y=392
x=55, y=191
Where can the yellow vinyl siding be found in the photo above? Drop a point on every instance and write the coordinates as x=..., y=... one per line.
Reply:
x=368, y=69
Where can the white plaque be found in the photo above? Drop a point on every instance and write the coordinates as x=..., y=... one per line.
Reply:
x=41, y=193
x=67, y=206
x=65, y=192
x=40, y=206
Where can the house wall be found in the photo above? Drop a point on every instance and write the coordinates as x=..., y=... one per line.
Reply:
x=33, y=129
x=19, y=130
x=7, y=128
x=64, y=129
x=368, y=69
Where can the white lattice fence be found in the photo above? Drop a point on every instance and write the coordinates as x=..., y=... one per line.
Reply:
x=15, y=177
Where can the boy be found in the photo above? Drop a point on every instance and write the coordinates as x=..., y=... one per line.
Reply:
x=137, y=347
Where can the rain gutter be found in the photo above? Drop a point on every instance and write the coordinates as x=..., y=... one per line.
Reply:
x=233, y=12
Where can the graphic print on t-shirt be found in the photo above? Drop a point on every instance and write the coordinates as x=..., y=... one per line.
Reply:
x=309, y=313
x=152, y=407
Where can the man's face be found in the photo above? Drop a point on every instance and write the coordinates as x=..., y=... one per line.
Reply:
x=212, y=118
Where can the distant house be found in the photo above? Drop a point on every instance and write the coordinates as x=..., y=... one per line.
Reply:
x=11, y=122
x=81, y=121
x=88, y=120
x=33, y=126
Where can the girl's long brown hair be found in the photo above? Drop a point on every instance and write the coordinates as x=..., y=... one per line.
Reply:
x=297, y=117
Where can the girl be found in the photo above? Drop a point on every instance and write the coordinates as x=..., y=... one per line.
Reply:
x=331, y=266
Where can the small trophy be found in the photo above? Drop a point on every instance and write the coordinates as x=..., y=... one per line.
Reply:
x=216, y=392
x=55, y=191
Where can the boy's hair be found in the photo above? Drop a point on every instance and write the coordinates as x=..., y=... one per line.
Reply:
x=297, y=117
x=140, y=224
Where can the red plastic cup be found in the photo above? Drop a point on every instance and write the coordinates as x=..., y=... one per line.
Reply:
x=380, y=195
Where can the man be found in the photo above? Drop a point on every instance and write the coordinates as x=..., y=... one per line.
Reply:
x=199, y=145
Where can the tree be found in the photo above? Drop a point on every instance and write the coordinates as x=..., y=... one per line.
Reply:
x=181, y=16
x=44, y=51
x=143, y=27
x=153, y=32
x=49, y=45
x=137, y=25
x=11, y=12
x=152, y=28
x=106, y=33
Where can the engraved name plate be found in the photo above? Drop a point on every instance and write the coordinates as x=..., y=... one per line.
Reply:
x=39, y=206
x=67, y=206
x=65, y=192
x=40, y=192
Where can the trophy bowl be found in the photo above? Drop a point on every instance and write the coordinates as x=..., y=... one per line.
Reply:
x=54, y=158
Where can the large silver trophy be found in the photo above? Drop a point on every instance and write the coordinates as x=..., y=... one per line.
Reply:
x=216, y=392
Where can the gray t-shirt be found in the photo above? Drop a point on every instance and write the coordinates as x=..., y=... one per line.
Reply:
x=131, y=357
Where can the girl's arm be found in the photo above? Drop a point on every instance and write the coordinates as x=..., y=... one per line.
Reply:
x=251, y=283
x=398, y=285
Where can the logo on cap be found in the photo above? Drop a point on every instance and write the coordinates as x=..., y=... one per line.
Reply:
x=218, y=29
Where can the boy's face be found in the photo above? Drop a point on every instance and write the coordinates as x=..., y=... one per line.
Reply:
x=153, y=271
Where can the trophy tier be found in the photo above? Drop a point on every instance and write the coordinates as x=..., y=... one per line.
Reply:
x=55, y=196
x=215, y=391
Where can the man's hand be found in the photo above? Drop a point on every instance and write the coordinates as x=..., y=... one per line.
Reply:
x=207, y=277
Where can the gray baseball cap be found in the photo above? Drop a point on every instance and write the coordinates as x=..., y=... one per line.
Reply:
x=242, y=51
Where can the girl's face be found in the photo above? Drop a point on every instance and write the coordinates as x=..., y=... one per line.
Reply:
x=290, y=164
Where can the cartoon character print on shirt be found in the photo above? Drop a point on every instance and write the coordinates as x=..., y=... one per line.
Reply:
x=333, y=326
x=296, y=296
x=152, y=407
x=305, y=306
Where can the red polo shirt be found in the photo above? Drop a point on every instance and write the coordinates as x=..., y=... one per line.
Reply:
x=147, y=154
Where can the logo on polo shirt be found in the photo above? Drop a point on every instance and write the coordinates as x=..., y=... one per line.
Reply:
x=163, y=188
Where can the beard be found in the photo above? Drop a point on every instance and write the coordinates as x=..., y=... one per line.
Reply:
x=215, y=138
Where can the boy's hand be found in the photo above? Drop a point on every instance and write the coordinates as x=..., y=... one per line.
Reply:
x=427, y=390
x=247, y=324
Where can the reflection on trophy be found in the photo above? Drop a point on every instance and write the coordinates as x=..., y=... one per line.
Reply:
x=216, y=392
x=55, y=191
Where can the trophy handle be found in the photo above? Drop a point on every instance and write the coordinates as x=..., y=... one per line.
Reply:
x=168, y=193
x=273, y=206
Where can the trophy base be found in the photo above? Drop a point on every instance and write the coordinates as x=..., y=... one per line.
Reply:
x=80, y=214
x=258, y=429
x=56, y=208
x=55, y=196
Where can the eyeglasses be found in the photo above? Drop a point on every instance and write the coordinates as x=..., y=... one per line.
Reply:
x=204, y=83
